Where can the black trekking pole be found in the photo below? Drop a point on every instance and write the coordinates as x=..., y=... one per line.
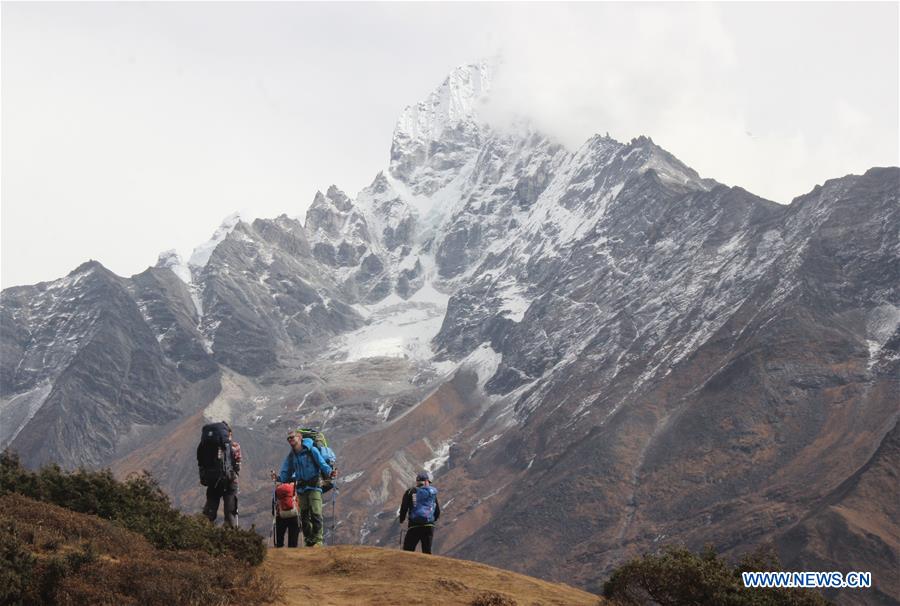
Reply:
x=274, y=513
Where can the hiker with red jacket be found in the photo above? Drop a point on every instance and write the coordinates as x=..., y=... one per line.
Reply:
x=420, y=503
x=305, y=466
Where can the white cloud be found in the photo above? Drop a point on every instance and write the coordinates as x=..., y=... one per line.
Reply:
x=688, y=76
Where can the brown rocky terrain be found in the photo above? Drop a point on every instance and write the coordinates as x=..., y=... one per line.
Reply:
x=855, y=520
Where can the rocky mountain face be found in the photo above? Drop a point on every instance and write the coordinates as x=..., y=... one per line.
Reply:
x=596, y=352
x=81, y=366
x=711, y=387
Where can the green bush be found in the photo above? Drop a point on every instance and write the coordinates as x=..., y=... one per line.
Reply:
x=677, y=577
x=138, y=504
x=16, y=566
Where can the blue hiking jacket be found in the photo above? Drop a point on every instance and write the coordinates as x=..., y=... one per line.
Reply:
x=304, y=466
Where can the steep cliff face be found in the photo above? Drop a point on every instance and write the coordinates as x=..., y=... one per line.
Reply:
x=265, y=297
x=83, y=368
x=595, y=351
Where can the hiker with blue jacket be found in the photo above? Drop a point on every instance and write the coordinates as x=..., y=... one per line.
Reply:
x=420, y=503
x=305, y=466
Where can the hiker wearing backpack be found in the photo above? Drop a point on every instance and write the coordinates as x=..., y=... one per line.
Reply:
x=305, y=466
x=420, y=503
x=286, y=509
x=218, y=471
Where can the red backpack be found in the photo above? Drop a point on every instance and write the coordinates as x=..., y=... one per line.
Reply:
x=286, y=500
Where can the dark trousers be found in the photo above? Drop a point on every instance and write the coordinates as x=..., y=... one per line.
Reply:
x=416, y=534
x=292, y=526
x=228, y=495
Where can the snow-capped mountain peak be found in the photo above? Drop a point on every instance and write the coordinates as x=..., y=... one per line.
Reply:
x=333, y=215
x=171, y=259
x=435, y=137
x=667, y=167
x=200, y=256
x=456, y=100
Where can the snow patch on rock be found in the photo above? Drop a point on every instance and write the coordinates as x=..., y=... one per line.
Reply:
x=441, y=456
x=484, y=361
x=200, y=256
x=881, y=324
x=16, y=411
x=397, y=328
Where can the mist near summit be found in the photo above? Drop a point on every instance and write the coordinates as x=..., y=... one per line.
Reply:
x=133, y=128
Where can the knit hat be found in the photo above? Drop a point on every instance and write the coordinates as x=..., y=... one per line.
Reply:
x=423, y=476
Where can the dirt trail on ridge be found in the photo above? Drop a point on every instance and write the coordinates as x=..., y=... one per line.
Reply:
x=350, y=574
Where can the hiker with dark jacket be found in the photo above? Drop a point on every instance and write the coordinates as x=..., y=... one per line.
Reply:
x=304, y=466
x=219, y=468
x=420, y=503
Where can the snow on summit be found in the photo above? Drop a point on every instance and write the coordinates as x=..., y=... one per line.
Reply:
x=172, y=260
x=437, y=136
x=200, y=256
x=454, y=101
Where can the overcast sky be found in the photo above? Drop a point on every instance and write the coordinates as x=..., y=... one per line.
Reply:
x=129, y=128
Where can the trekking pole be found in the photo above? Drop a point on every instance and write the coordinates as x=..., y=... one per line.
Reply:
x=401, y=536
x=274, y=513
x=333, y=508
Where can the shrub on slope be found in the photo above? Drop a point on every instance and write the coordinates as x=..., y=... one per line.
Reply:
x=51, y=555
x=138, y=504
x=678, y=577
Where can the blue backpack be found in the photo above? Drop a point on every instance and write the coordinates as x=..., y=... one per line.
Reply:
x=424, y=499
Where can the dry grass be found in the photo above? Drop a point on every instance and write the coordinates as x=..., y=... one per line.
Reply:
x=81, y=559
x=358, y=575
